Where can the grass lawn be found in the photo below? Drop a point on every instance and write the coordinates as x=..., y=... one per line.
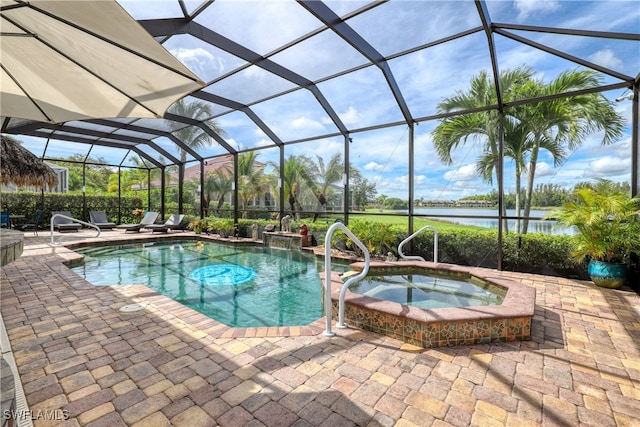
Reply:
x=403, y=221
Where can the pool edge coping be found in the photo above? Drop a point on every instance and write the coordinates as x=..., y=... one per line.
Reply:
x=140, y=293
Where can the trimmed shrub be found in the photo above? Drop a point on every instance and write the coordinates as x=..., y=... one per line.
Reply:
x=528, y=253
x=27, y=202
x=542, y=254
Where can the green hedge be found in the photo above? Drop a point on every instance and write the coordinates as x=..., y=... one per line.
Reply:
x=529, y=253
x=542, y=254
x=27, y=203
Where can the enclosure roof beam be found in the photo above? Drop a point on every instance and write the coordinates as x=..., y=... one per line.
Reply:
x=99, y=135
x=162, y=27
x=143, y=129
x=570, y=32
x=80, y=140
x=205, y=128
x=209, y=97
x=483, y=12
x=564, y=55
x=329, y=18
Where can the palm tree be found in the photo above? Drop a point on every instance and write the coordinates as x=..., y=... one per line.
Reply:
x=561, y=125
x=482, y=126
x=298, y=172
x=216, y=186
x=328, y=174
x=558, y=126
x=192, y=136
x=517, y=143
x=131, y=177
x=250, y=179
x=168, y=171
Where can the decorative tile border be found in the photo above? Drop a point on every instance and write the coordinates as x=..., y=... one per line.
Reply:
x=442, y=327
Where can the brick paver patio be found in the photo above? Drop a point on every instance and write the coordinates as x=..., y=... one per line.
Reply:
x=78, y=355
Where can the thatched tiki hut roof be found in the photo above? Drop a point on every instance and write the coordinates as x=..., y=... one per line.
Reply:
x=21, y=167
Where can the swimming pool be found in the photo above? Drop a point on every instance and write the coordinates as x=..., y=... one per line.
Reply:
x=240, y=286
x=428, y=291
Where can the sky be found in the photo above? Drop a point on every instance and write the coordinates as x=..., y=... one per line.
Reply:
x=363, y=98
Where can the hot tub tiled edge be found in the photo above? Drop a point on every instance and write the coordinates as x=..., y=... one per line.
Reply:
x=510, y=321
x=11, y=245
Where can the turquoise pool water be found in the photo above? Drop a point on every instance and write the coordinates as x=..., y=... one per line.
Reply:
x=428, y=291
x=239, y=286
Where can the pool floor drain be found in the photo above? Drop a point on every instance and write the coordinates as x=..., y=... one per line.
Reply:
x=132, y=308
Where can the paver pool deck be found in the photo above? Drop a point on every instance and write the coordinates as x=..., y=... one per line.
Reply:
x=79, y=357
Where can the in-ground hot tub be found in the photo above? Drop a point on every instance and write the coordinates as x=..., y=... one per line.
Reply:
x=509, y=320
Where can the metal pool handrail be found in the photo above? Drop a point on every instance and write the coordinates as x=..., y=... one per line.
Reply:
x=416, y=257
x=72, y=219
x=327, y=275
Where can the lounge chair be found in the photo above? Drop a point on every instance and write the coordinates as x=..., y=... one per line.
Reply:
x=63, y=224
x=99, y=219
x=32, y=225
x=148, y=219
x=173, y=223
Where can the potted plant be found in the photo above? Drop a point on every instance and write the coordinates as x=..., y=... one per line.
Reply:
x=198, y=225
x=608, y=228
x=138, y=213
x=223, y=227
x=226, y=228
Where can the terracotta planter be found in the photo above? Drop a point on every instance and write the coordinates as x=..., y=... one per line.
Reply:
x=607, y=274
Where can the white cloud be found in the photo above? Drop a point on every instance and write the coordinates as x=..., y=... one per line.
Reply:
x=264, y=142
x=197, y=60
x=184, y=54
x=520, y=55
x=259, y=133
x=608, y=166
x=233, y=143
x=528, y=7
x=463, y=173
x=373, y=166
x=306, y=123
x=325, y=148
x=404, y=180
x=350, y=117
x=606, y=58
x=543, y=169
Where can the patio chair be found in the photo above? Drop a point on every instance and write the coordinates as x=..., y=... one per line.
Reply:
x=148, y=219
x=32, y=225
x=63, y=224
x=99, y=219
x=173, y=223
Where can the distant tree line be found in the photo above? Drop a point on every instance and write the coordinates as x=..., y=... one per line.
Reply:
x=546, y=195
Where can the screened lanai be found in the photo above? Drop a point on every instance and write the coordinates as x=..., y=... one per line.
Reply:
x=359, y=87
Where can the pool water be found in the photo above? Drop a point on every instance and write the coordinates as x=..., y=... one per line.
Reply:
x=427, y=291
x=239, y=286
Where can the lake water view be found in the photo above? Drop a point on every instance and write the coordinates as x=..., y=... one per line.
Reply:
x=454, y=215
